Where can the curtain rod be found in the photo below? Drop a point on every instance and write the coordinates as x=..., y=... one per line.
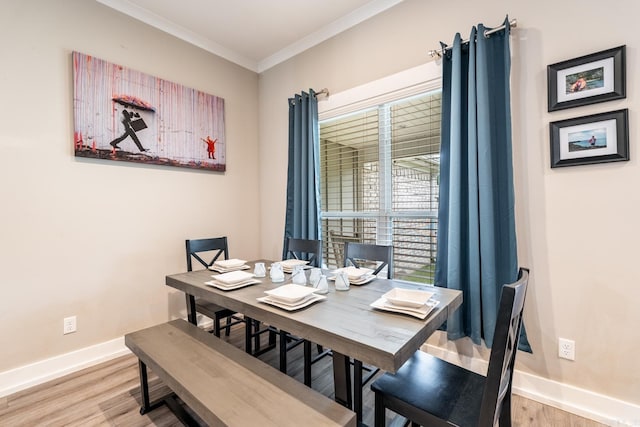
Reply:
x=438, y=52
x=324, y=92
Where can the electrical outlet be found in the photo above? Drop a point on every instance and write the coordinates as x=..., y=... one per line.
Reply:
x=566, y=349
x=69, y=325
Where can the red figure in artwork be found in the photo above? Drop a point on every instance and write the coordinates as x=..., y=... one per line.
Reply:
x=211, y=146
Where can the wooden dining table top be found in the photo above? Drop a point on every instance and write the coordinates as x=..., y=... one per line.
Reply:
x=344, y=321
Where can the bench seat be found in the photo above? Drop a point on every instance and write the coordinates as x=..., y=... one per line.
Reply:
x=226, y=386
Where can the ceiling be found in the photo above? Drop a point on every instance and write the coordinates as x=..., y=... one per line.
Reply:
x=256, y=34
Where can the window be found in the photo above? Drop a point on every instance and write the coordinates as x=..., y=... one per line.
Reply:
x=379, y=169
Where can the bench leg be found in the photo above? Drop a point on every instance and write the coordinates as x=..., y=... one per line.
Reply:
x=169, y=400
x=144, y=390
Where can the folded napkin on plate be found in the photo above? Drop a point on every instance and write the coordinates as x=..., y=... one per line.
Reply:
x=288, y=264
x=356, y=273
x=233, y=277
x=230, y=263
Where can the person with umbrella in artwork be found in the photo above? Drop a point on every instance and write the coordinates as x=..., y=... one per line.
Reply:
x=131, y=121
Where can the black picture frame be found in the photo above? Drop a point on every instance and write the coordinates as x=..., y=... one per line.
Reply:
x=597, y=138
x=589, y=79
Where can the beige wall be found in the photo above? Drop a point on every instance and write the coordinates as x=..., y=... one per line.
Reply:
x=96, y=238
x=577, y=227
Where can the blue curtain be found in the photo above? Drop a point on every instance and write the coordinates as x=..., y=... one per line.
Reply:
x=476, y=231
x=303, y=180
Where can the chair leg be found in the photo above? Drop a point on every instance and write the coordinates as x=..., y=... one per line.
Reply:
x=272, y=338
x=505, y=412
x=256, y=336
x=228, y=328
x=248, y=330
x=307, y=363
x=216, y=326
x=379, y=412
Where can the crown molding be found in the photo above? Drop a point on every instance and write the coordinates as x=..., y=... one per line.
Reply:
x=182, y=33
x=336, y=27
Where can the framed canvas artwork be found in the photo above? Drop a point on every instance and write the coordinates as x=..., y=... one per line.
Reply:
x=126, y=115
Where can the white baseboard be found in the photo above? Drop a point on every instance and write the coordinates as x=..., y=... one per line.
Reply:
x=40, y=372
x=585, y=403
x=23, y=377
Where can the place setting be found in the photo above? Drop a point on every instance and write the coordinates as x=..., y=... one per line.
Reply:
x=288, y=265
x=232, y=280
x=229, y=265
x=356, y=275
x=291, y=297
x=413, y=302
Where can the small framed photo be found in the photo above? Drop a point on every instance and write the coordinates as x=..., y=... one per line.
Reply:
x=598, y=138
x=587, y=80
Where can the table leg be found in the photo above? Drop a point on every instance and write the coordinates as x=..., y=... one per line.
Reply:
x=192, y=315
x=342, y=379
x=357, y=389
x=248, y=332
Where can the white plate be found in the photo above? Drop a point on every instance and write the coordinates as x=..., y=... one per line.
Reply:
x=301, y=304
x=233, y=277
x=420, y=313
x=230, y=263
x=408, y=297
x=355, y=273
x=289, y=293
x=238, y=285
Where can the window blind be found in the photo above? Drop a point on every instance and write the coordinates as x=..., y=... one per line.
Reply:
x=379, y=181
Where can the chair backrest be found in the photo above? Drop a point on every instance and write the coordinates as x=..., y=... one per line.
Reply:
x=307, y=249
x=217, y=245
x=354, y=253
x=503, y=352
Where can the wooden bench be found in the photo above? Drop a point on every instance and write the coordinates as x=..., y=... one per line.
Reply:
x=224, y=385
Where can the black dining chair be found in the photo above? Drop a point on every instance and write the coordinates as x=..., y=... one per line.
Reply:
x=361, y=254
x=308, y=250
x=379, y=257
x=304, y=249
x=215, y=247
x=429, y=391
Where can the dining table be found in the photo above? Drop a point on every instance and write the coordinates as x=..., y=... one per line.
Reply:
x=344, y=321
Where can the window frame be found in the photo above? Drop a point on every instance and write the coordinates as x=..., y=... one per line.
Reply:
x=413, y=82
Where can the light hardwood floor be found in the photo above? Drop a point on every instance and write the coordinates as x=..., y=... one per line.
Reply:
x=108, y=395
